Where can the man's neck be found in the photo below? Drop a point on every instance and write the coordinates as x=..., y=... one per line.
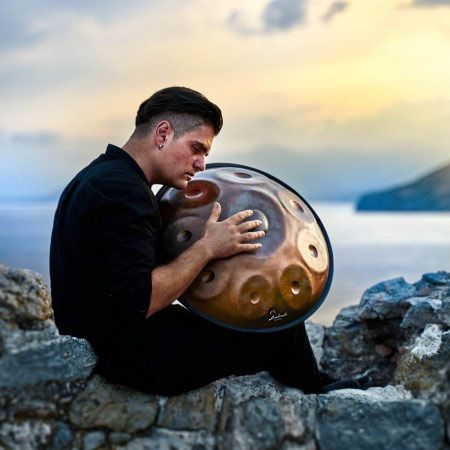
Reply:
x=140, y=152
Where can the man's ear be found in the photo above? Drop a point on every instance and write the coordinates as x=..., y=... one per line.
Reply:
x=162, y=130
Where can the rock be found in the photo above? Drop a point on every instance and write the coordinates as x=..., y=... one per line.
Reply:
x=49, y=397
x=39, y=401
x=440, y=278
x=196, y=410
x=62, y=437
x=434, y=286
x=422, y=311
x=262, y=423
x=61, y=358
x=240, y=389
x=114, y=407
x=24, y=300
x=368, y=337
x=93, y=440
x=424, y=368
x=262, y=417
x=444, y=312
x=316, y=335
x=255, y=424
x=172, y=440
x=386, y=300
x=116, y=437
x=351, y=350
x=3, y=404
x=380, y=421
x=40, y=370
x=25, y=435
x=289, y=445
x=428, y=343
x=380, y=394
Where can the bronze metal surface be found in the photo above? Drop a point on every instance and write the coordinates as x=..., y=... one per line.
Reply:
x=272, y=288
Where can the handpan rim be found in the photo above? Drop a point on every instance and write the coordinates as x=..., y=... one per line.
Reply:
x=317, y=305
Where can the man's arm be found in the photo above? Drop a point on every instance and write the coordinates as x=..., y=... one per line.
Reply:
x=219, y=240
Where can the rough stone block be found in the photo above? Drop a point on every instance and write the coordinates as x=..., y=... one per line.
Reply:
x=113, y=407
x=363, y=422
x=25, y=435
x=160, y=439
x=25, y=302
x=386, y=300
x=194, y=410
x=62, y=359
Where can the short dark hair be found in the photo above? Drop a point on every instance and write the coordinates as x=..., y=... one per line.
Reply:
x=187, y=108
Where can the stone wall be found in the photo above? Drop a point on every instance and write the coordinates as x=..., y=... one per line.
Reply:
x=50, y=399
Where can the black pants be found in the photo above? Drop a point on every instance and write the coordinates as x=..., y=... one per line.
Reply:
x=178, y=352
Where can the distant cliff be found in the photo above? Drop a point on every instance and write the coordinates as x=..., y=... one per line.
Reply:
x=429, y=193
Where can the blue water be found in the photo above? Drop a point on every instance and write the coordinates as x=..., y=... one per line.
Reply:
x=25, y=230
x=368, y=247
x=372, y=247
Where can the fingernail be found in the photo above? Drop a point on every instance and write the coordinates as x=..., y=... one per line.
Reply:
x=259, y=222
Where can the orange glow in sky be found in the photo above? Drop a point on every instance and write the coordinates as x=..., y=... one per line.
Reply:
x=368, y=77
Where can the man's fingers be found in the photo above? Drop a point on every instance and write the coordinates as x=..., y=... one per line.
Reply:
x=249, y=225
x=252, y=235
x=240, y=216
x=249, y=247
x=215, y=213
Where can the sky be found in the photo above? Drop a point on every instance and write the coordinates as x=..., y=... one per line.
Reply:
x=334, y=97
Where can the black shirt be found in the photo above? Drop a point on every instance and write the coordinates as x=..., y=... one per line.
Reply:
x=104, y=246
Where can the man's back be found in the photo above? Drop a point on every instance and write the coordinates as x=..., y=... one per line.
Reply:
x=104, y=247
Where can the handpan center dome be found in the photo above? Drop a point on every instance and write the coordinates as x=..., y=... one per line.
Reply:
x=272, y=288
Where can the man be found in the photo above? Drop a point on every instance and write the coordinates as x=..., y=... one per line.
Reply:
x=112, y=286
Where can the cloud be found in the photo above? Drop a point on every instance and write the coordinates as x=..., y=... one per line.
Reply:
x=237, y=20
x=322, y=160
x=334, y=9
x=36, y=139
x=341, y=159
x=278, y=15
x=335, y=174
x=39, y=164
x=430, y=3
x=283, y=14
x=16, y=28
x=30, y=21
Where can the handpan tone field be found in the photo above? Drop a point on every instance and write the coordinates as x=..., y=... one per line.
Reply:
x=270, y=289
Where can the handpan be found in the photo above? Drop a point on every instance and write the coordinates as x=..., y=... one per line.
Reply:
x=272, y=288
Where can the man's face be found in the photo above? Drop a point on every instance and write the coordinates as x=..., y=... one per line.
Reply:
x=185, y=155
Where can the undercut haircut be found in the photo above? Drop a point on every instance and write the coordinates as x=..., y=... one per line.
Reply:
x=184, y=108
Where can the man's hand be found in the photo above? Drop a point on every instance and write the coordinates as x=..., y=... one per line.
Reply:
x=232, y=235
x=219, y=240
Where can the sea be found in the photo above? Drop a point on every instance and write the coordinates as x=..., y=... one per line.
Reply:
x=368, y=247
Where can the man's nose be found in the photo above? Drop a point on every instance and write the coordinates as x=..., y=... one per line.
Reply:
x=199, y=164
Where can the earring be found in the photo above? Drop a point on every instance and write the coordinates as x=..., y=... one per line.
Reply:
x=160, y=146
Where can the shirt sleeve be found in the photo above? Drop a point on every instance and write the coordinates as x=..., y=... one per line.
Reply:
x=127, y=224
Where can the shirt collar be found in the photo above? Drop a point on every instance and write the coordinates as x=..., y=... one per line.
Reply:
x=116, y=152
